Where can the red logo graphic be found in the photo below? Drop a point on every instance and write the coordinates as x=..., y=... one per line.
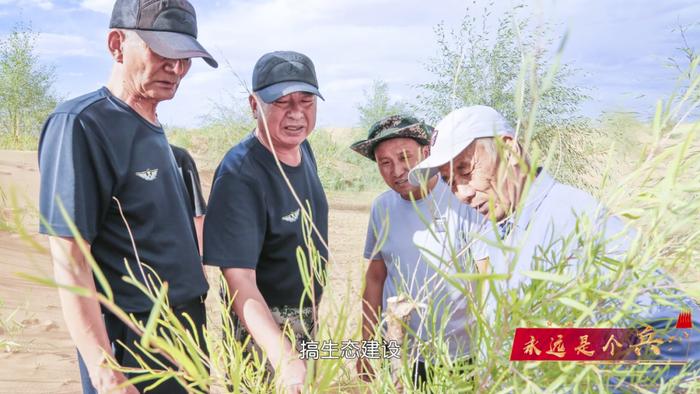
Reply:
x=576, y=344
x=684, y=319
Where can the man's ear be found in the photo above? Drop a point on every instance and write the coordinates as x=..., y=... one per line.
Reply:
x=253, y=105
x=425, y=149
x=115, y=44
x=512, y=149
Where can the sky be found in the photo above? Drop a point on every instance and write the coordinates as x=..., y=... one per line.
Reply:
x=620, y=48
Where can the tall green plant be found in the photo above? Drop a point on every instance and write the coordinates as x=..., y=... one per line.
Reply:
x=479, y=63
x=339, y=168
x=26, y=96
x=378, y=104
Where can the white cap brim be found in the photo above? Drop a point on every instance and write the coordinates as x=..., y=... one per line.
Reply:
x=456, y=132
x=429, y=167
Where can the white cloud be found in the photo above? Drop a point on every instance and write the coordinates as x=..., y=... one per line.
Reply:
x=64, y=45
x=622, y=49
x=619, y=46
x=340, y=85
x=103, y=6
x=351, y=42
x=43, y=4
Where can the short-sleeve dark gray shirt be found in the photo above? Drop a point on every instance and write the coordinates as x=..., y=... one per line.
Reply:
x=101, y=160
x=254, y=222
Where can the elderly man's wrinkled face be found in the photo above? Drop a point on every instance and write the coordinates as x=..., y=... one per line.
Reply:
x=149, y=75
x=395, y=158
x=290, y=118
x=474, y=178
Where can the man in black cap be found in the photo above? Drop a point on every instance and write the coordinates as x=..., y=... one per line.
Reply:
x=254, y=223
x=105, y=158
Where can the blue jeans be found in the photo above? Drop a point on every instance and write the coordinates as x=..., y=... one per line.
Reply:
x=85, y=376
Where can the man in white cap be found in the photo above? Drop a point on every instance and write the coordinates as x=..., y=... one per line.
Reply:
x=411, y=236
x=104, y=157
x=476, y=152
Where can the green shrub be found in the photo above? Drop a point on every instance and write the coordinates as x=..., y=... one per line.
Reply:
x=500, y=61
x=19, y=142
x=378, y=105
x=339, y=167
x=26, y=96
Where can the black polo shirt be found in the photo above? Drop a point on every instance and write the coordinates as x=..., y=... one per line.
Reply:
x=253, y=221
x=96, y=153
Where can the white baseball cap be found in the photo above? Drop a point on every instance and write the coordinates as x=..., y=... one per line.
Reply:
x=456, y=132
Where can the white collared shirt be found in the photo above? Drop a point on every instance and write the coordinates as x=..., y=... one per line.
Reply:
x=545, y=227
x=416, y=241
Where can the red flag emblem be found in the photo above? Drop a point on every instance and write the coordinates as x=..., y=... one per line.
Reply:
x=684, y=320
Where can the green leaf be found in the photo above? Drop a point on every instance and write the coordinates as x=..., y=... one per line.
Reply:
x=470, y=276
x=548, y=277
x=576, y=305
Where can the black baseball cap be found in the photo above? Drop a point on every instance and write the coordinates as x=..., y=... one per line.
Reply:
x=169, y=27
x=280, y=73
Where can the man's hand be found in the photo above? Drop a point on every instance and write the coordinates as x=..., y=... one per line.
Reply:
x=107, y=381
x=292, y=376
x=253, y=312
x=82, y=314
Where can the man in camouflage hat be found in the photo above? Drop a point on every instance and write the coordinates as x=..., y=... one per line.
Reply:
x=406, y=256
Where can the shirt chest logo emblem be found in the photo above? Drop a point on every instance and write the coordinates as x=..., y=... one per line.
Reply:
x=440, y=224
x=292, y=216
x=148, y=175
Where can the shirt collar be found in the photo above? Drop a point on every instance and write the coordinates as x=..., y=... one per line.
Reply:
x=539, y=189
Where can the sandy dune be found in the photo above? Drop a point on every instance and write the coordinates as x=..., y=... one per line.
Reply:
x=42, y=359
x=37, y=355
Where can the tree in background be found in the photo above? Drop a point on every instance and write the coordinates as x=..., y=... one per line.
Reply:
x=688, y=55
x=26, y=96
x=500, y=62
x=378, y=105
x=228, y=121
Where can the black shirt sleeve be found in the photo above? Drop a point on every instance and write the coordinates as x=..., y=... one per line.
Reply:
x=236, y=222
x=75, y=170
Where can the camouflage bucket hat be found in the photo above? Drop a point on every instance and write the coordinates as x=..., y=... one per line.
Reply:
x=394, y=126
